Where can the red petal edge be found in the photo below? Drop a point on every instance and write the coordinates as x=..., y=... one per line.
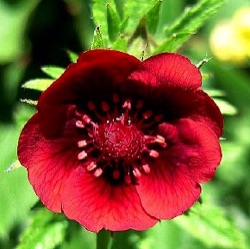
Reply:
x=196, y=146
x=97, y=204
x=169, y=69
x=49, y=162
x=168, y=190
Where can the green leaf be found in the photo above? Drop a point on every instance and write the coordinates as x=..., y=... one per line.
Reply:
x=38, y=84
x=53, y=71
x=225, y=107
x=14, y=18
x=17, y=195
x=44, y=231
x=153, y=17
x=170, y=10
x=172, y=42
x=209, y=224
x=120, y=44
x=113, y=22
x=189, y=23
x=103, y=239
x=72, y=56
x=99, y=15
x=123, y=24
x=215, y=92
x=77, y=235
x=135, y=11
x=97, y=39
x=29, y=102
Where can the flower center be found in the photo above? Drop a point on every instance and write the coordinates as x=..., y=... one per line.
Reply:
x=115, y=143
x=119, y=141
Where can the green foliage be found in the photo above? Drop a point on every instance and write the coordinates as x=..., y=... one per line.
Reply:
x=40, y=84
x=225, y=107
x=147, y=13
x=17, y=195
x=172, y=42
x=120, y=44
x=135, y=11
x=97, y=40
x=72, y=56
x=123, y=24
x=45, y=231
x=189, y=23
x=29, y=102
x=215, y=92
x=209, y=224
x=77, y=237
x=99, y=11
x=53, y=71
x=103, y=239
x=14, y=18
x=153, y=17
x=113, y=22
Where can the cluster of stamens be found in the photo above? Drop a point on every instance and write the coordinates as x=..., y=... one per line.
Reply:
x=114, y=143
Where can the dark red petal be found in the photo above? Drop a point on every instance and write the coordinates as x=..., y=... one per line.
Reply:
x=196, y=105
x=200, y=107
x=169, y=70
x=170, y=84
x=196, y=146
x=96, y=204
x=168, y=191
x=49, y=162
x=97, y=73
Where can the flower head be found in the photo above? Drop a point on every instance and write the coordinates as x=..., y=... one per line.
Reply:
x=118, y=143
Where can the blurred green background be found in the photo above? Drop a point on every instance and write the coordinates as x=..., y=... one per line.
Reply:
x=36, y=33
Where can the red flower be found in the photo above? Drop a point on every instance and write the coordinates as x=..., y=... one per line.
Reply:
x=118, y=143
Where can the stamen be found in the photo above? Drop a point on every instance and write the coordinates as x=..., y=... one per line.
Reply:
x=125, y=117
x=161, y=140
x=82, y=155
x=91, y=166
x=136, y=172
x=98, y=172
x=78, y=114
x=154, y=153
x=80, y=124
x=146, y=168
x=82, y=143
x=155, y=139
x=127, y=104
x=86, y=119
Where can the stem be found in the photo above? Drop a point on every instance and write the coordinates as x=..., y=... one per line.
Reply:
x=103, y=240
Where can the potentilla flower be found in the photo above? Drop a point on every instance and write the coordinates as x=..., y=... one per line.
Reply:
x=118, y=143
